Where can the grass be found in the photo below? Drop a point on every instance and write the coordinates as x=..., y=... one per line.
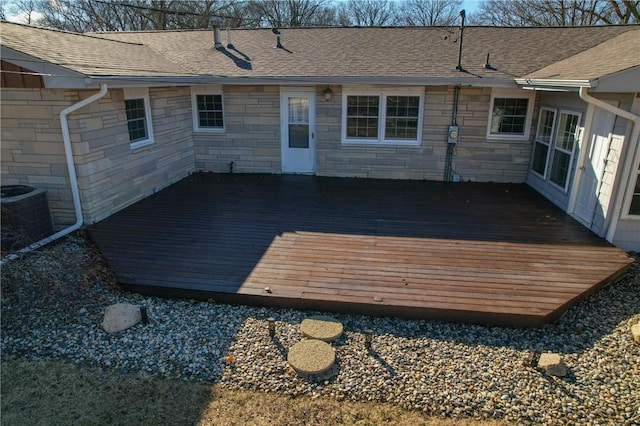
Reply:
x=54, y=392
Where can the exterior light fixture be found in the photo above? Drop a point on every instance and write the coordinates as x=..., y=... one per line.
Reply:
x=368, y=339
x=272, y=326
x=327, y=93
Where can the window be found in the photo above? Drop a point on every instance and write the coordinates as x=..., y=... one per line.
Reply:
x=138, y=111
x=362, y=116
x=510, y=115
x=563, y=150
x=382, y=118
x=208, y=111
x=634, y=208
x=543, y=140
x=554, y=145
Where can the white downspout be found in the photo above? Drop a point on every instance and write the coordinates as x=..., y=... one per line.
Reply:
x=73, y=178
x=633, y=139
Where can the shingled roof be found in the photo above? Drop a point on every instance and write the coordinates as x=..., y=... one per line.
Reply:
x=614, y=55
x=307, y=53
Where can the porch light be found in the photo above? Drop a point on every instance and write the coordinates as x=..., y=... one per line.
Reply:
x=327, y=93
x=272, y=326
x=368, y=339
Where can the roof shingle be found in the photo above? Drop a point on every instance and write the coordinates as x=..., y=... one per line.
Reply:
x=411, y=52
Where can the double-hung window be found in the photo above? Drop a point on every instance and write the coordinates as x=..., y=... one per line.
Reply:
x=207, y=107
x=510, y=114
x=138, y=111
x=555, y=143
x=382, y=117
x=634, y=206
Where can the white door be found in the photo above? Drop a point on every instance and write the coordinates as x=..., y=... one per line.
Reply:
x=297, y=123
x=593, y=167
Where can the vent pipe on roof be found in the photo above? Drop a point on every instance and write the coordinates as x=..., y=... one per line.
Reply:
x=216, y=22
x=229, y=44
x=459, y=66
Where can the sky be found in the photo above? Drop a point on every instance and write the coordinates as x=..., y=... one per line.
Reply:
x=471, y=6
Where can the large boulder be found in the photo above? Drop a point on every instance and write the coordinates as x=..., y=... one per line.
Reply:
x=552, y=364
x=120, y=316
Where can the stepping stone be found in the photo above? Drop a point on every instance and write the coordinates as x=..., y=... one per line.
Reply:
x=311, y=356
x=322, y=328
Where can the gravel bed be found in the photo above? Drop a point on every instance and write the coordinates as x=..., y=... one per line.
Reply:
x=53, y=303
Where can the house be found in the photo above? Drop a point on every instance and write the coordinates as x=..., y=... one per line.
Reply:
x=103, y=120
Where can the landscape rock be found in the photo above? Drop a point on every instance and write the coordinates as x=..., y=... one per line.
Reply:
x=635, y=333
x=311, y=356
x=552, y=364
x=120, y=316
x=321, y=327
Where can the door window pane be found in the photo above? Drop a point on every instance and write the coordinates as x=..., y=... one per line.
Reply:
x=298, y=122
x=635, y=201
x=298, y=136
x=298, y=110
x=543, y=140
x=563, y=149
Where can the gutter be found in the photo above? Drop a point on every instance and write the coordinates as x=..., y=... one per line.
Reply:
x=539, y=83
x=628, y=159
x=120, y=82
x=73, y=178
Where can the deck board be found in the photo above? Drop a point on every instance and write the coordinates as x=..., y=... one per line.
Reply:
x=487, y=253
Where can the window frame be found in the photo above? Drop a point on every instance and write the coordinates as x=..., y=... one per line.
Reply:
x=537, y=141
x=511, y=94
x=133, y=94
x=629, y=199
x=382, y=116
x=572, y=154
x=212, y=91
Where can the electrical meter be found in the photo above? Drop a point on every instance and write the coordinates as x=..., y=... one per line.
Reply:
x=452, y=135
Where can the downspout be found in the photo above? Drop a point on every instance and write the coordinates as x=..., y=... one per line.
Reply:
x=628, y=159
x=73, y=178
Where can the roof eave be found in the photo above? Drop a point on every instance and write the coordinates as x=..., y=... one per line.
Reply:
x=147, y=81
x=54, y=76
x=554, y=84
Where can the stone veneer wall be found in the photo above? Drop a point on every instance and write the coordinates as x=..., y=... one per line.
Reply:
x=111, y=176
x=252, y=140
x=252, y=133
x=32, y=149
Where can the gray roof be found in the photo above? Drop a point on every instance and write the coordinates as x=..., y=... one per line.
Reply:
x=402, y=52
x=614, y=55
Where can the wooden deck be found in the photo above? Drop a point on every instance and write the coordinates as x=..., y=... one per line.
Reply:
x=484, y=253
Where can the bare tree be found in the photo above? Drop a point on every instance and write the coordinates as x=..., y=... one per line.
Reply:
x=558, y=12
x=25, y=10
x=368, y=13
x=126, y=15
x=289, y=13
x=430, y=12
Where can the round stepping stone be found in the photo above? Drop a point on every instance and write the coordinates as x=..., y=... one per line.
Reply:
x=321, y=328
x=311, y=356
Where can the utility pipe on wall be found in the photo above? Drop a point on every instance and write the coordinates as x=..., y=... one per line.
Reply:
x=73, y=178
x=629, y=159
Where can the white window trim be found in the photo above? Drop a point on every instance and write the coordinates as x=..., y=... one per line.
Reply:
x=141, y=94
x=382, y=112
x=512, y=94
x=206, y=90
x=635, y=174
x=551, y=141
x=578, y=134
